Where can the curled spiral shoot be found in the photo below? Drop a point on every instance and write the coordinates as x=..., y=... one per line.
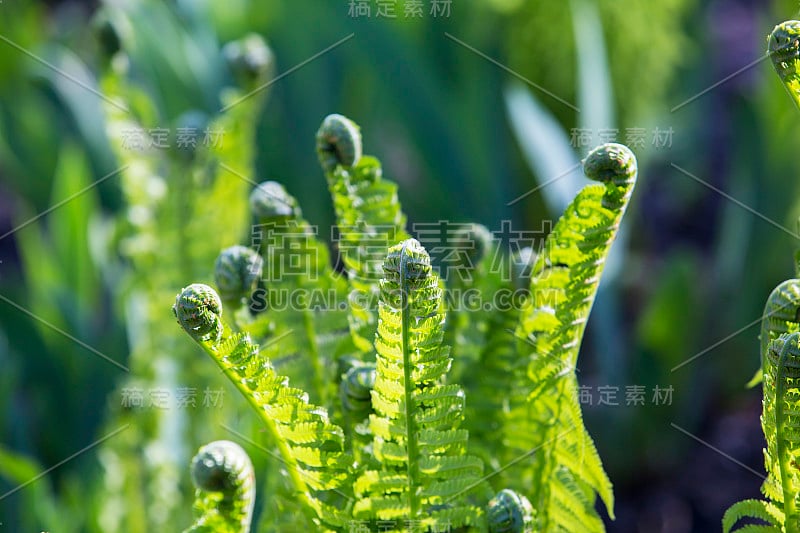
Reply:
x=270, y=201
x=783, y=47
x=615, y=164
x=781, y=312
x=225, y=481
x=355, y=389
x=199, y=310
x=338, y=142
x=236, y=272
x=249, y=59
x=510, y=512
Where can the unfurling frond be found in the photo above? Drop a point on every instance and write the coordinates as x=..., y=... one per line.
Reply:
x=236, y=272
x=199, y=310
x=783, y=46
x=422, y=470
x=510, y=512
x=338, y=142
x=780, y=421
x=225, y=482
x=310, y=445
x=368, y=218
x=566, y=471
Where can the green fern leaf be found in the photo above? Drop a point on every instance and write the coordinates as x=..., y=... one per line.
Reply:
x=368, y=218
x=566, y=471
x=755, y=509
x=302, y=324
x=311, y=446
x=784, y=49
x=421, y=469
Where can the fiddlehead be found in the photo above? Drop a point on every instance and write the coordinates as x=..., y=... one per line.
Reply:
x=236, y=272
x=225, y=482
x=783, y=46
x=355, y=390
x=338, y=142
x=510, y=512
x=249, y=59
x=297, y=283
x=781, y=312
x=269, y=202
x=781, y=315
x=311, y=447
x=355, y=395
x=198, y=310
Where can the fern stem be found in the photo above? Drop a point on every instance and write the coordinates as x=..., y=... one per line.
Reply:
x=408, y=383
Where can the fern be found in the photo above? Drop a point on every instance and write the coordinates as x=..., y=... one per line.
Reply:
x=396, y=451
x=310, y=445
x=779, y=421
x=780, y=362
x=225, y=481
x=566, y=471
x=368, y=218
x=423, y=465
x=300, y=325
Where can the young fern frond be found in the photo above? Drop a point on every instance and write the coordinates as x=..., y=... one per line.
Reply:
x=510, y=512
x=566, y=471
x=422, y=471
x=779, y=420
x=781, y=312
x=236, y=274
x=226, y=493
x=783, y=46
x=299, y=327
x=368, y=218
x=478, y=272
x=311, y=447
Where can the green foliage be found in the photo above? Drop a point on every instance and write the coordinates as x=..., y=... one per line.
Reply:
x=178, y=179
x=368, y=218
x=422, y=454
x=376, y=441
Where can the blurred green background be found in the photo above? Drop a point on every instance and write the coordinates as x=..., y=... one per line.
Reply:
x=469, y=109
